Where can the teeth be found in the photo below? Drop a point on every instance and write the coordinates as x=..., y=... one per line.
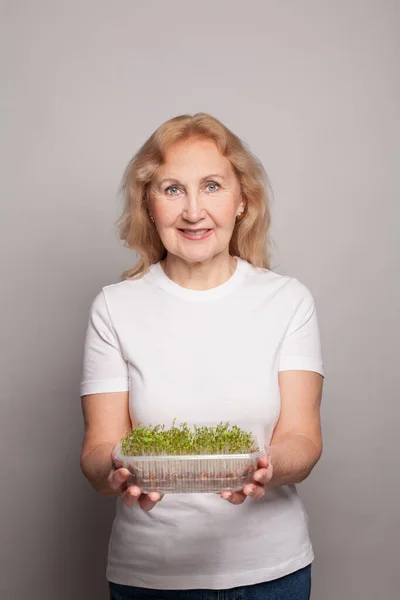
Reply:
x=197, y=232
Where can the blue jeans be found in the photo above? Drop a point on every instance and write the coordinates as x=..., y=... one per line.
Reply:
x=296, y=586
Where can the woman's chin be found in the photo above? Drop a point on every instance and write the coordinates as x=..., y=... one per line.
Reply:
x=197, y=256
x=191, y=253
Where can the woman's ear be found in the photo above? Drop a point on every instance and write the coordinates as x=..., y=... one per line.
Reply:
x=242, y=207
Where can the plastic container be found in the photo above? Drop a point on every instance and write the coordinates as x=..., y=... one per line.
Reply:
x=191, y=473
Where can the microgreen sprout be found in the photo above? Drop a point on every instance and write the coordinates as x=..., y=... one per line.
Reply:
x=181, y=440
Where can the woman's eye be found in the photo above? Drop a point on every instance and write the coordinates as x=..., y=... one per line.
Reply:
x=172, y=190
x=213, y=186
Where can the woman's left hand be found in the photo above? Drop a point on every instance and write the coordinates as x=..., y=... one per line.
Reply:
x=255, y=490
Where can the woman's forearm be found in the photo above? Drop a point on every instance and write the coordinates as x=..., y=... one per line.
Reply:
x=292, y=457
x=96, y=466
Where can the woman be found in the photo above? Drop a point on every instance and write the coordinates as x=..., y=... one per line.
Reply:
x=201, y=331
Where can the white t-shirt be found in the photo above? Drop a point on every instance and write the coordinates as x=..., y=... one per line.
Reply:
x=204, y=356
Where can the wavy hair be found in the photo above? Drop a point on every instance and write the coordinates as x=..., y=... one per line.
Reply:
x=250, y=237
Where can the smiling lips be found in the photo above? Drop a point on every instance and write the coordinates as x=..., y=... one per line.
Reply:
x=195, y=234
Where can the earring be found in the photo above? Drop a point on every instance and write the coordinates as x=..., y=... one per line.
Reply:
x=240, y=216
x=152, y=218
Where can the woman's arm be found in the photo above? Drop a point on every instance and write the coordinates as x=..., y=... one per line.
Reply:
x=296, y=444
x=106, y=419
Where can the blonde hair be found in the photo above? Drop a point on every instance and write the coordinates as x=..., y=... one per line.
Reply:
x=250, y=238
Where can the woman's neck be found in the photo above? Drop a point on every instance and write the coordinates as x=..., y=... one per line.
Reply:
x=200, y=275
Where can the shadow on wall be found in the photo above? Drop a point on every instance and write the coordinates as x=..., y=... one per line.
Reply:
x=95, y=520
x=80, y=542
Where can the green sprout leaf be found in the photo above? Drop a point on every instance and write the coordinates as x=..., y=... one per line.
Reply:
x=181, y=440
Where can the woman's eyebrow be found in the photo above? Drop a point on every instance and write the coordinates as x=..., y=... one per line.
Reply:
x=212, y=176
x=167, y=179
x=175, y=180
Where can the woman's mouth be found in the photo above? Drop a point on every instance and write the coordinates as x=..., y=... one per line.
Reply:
x=195, y=234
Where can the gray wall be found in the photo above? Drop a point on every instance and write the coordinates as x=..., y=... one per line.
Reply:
x=313, y=87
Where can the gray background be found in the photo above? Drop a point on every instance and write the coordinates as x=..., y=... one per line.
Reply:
x=313, y=87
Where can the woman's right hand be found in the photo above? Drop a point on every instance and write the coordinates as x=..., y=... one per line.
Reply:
x=130, y=494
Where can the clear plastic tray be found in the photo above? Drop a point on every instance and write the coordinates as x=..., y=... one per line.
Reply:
x=191, y=473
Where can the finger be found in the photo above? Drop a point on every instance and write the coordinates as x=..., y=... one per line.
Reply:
x=148, y=501
x=261, y=476
x=254, y=491
x=117, y=478
x=234, y=497
x=263, y=462
x=117, y=464
x=264, y=475
x=131, y=496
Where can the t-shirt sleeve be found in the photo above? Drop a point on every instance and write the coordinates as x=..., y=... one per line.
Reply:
x=104, y=367
x=301, y=347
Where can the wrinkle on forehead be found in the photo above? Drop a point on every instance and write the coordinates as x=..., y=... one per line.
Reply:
x=193, y=160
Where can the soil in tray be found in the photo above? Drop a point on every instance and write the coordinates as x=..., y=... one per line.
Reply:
x=191, y=477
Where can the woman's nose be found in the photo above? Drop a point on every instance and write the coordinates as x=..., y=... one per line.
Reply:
x=193, y=210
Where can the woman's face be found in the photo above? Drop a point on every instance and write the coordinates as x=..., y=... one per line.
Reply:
x=194, y=199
